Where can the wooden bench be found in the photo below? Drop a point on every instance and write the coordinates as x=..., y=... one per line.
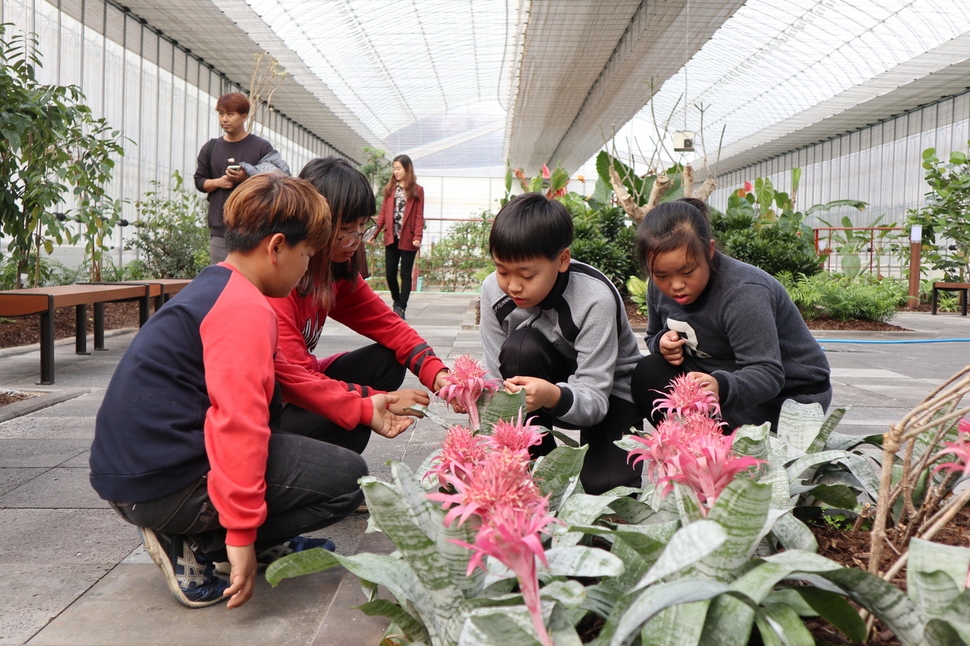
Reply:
x=943, y=286
x=44, y=300
x=162, y=290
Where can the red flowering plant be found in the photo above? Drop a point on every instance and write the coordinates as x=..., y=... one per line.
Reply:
x=689, y=446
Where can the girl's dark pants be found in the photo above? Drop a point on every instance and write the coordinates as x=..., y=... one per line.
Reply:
x=394, y=256
x=528, y=353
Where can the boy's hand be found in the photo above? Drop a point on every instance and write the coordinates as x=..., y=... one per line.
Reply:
x=706, y=381
x=242, y=578
x=385, y=422
x=672, y=347
x=406, y=398
x=539, y=393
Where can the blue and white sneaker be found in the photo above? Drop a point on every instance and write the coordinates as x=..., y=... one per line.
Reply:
x=189, y=575
x=267, y=556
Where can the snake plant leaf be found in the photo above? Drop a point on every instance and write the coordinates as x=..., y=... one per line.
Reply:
x=430, y=518
x=941, y=633
x=566, y=439
x=935, y=575
x=799, y=424
x=836, y=610
x=581, y=509
x=557, y=474
x=840, y=496
x=793, y=534
x=680, y=625
x=827, y=433
x=752, y=441
x=567, y=593
x=957, y=615
x=634, y=512
x=884, y=600
x=622, y=629
x=729, y=622
x=687, y=546
x=742, y=510
x=581, y=561
x=861, y=467
x=502, y=405
x=393, y=574
x=780, y=624
x=412, y=628
x=512, y=626
x=443, y=605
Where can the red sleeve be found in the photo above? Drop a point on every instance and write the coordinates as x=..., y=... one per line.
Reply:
x=419, y=214
x=383, y=215
x=238, y=338
x=298, y=371
x=359, y=308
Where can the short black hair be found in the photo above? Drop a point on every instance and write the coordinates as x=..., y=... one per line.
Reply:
x=530, y=226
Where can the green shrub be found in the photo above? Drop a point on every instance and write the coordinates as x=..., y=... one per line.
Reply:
x=459, y=261
x=776, y=250
x=172, y=235
x=839, y=297
x=604, y=238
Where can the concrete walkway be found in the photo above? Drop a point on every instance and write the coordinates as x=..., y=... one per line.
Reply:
x=74, y=573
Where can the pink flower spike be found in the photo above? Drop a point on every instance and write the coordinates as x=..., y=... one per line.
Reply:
x=960, y=449
x=516, y=437
x=545, y=172
x=461, y=451
x=710, y=466
x=511, y=535
x=686, y=394
x=748, y=187
x=466, y=383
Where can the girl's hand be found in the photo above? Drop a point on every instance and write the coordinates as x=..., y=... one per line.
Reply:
x=406, y=398
x=706, y=381
x=672, y=347
x=417, y=243
x=384, y=422
x=539, y=393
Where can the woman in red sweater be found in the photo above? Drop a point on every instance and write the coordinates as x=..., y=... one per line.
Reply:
x=376, y=368
x=402, y=221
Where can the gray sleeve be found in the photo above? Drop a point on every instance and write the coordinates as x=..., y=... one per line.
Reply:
x=753, y=334
x=597, y=347
x=271, y=163
x=489, y=329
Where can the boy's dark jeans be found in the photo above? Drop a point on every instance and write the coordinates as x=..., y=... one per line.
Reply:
x=373, y=365
x=528, y=353
x=309, y=485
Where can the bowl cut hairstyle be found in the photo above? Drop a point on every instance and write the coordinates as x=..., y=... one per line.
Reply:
x=270, y=203
x=530, y=226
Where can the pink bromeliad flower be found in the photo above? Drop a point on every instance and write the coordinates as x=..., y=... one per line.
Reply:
x=511, y=535
x=501, y=478
x=466, y=383
x=461, y=451
x=709, y=465
x=686, y=395
x=689, y=446
x=960, y=449
x=518, y=436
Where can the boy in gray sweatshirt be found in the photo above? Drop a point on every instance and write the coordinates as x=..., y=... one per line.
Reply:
x=558, y=329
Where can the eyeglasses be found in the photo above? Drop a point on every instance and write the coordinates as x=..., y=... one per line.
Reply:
x=350, y=238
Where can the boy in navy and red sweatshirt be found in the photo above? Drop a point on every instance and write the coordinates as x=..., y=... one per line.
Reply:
x=185, y=444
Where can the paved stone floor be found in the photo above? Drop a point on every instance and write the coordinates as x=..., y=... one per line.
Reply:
x=72, y=573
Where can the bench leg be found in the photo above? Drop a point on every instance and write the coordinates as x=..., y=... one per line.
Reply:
x=933, y=300
x=963, y=302
x=144, y=310
x=99, y=326
x=47, y=347
x=81, y=329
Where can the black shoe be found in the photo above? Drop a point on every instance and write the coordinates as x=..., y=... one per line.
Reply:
x=189, y=575
x=399, y=310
